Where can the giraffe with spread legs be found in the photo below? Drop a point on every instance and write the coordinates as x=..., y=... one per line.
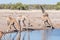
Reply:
x=24, y=22
x=11, y=22
x=46, y=19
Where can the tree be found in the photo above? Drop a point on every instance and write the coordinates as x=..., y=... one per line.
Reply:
x=58, y=6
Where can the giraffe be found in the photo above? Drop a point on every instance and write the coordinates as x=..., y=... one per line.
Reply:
x=24, y=22
x=46, y=19
x=11, y=22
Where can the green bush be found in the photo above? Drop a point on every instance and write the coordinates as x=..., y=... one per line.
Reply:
x=58, y=6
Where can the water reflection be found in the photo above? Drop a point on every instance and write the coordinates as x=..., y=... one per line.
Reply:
x=34, y=35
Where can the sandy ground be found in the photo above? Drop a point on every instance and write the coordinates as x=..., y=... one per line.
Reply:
x=33, y=14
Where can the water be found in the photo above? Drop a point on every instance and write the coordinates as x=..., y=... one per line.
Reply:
x=34, y=35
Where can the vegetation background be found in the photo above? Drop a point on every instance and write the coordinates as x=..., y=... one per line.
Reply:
x=20, y=6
